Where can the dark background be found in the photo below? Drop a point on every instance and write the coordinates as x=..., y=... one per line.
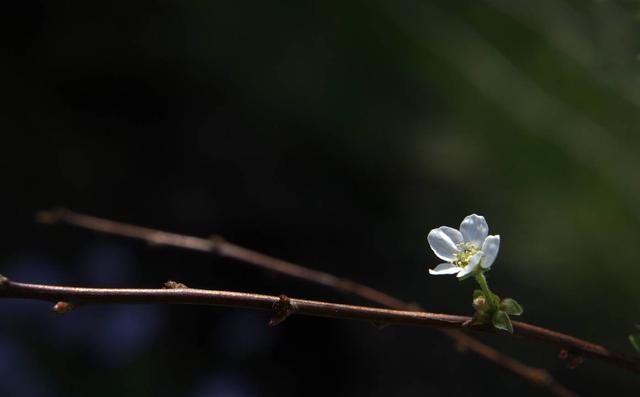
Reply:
x=333, y=134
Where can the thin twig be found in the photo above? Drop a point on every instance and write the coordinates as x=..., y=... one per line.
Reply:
x=189, y=296
x=217, y=245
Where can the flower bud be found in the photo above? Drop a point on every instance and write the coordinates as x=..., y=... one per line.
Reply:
x=480, y=304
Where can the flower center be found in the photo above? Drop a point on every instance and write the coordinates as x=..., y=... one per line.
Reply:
x=467, y=250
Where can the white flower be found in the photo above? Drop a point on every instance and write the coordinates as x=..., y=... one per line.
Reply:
x=465, y=249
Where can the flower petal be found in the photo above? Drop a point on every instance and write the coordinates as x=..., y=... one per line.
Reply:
x=445, y=268
x=454, y=234
x=473, y=264
x=474, y=229
x=442, y=244
x=490, y=248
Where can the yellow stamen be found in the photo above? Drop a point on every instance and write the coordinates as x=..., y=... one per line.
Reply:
x=467, y=250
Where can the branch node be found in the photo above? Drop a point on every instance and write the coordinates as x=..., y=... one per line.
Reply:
x=3, y=281
x=156, y=239
x=216, y=242
x=282, y=308
x=174, y=285
x=62, y=307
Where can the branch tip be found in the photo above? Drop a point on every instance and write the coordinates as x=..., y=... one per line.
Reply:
x=46, y=217
x=541, y=376
x=50, y=217
x=282, y=308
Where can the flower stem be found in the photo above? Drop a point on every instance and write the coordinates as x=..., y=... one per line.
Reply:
x=488, y=295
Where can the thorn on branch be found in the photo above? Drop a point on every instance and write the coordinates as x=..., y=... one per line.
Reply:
x=282, y=308
x=62, y=307
x=174, y=285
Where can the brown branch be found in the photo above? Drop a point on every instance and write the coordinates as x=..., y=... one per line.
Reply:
x=189, y=296
x=217, y=245
x=221, y=247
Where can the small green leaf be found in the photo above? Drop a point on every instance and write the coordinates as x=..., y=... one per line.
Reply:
x=477, y=293
x=635, y=341
x=501, y=321
x=511, y=307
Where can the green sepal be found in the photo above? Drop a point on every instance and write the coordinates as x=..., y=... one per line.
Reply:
x=510, y=306
x=502, y=321
x=477, y=293
x=635, y=341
